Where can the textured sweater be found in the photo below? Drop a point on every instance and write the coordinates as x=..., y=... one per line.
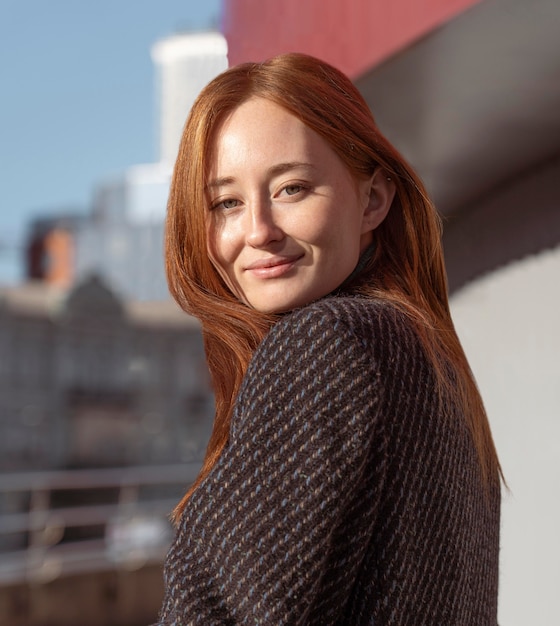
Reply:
x=349, y=494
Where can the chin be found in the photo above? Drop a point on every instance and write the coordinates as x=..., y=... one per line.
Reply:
x=273, y=306
x=272, y=309
x=283, y=299
x=283, y=305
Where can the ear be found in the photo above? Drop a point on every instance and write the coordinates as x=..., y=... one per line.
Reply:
x=379, y=191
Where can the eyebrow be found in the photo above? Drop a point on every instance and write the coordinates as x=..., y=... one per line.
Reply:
x=275, y=170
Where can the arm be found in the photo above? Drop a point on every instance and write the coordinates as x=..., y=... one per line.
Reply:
x=267, y=538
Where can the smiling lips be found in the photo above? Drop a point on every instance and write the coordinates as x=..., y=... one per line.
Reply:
x=272, y=267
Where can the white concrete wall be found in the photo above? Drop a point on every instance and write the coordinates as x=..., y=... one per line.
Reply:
x=509, y=323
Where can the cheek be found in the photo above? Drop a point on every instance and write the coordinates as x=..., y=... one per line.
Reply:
x=213, y=246
x=313, y=227
x=325, y=232
x=340, y=241
x=221, y=247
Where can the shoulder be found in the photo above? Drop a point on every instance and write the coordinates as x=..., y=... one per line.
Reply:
x=348, y=320
x=315, y=365
x=334, y=335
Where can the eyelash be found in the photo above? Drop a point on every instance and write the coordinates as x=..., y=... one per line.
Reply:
x=298, y=186
x=220, y=204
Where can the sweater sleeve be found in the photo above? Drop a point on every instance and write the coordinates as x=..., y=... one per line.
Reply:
x=273, y=522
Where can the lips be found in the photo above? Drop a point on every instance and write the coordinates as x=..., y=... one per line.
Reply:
x=273, y=262
x=272, y=267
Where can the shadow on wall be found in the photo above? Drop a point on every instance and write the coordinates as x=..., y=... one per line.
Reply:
x=519, y=219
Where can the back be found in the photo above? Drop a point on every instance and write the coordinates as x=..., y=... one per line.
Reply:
x=348, y=494
x=432, y=557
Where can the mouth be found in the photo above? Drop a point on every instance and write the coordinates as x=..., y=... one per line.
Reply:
x=273, y=267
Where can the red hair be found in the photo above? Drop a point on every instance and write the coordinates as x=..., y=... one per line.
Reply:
x=407, y=267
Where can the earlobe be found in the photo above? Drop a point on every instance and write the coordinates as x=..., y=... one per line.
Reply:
x=381, y=194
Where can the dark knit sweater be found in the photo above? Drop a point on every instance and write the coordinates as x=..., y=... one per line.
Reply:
x=347, y=495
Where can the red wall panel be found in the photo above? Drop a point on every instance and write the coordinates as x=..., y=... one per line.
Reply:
x=354, y=35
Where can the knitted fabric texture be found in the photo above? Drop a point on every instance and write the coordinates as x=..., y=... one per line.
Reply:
x=349, y=494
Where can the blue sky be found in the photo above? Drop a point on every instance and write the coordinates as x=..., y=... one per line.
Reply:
x=77, y=101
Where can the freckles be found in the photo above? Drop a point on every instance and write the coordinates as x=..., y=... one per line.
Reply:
x=228, y=243
x=211, y=244
x=224, y=246
x=317, y=229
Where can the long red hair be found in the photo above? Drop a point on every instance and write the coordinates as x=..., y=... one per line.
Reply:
x=406, y=268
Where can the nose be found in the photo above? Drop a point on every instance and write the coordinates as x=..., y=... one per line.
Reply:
x=261, y=227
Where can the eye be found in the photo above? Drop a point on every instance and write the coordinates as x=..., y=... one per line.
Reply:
x=228, y=203
x=293, y=189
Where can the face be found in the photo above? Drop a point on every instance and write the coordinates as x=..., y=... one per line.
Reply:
x=287, y=219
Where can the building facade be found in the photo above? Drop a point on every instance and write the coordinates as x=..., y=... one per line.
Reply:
x=49, y=254
x=123, y=239
x=89, y=380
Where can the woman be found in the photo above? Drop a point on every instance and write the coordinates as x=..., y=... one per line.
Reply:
x=351, y=476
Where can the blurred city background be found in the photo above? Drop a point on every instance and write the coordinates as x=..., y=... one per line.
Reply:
x=105, y=403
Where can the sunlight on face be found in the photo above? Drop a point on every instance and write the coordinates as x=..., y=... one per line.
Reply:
x=286, y=220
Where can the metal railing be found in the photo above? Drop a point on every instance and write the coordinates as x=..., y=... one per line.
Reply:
x=41, y=540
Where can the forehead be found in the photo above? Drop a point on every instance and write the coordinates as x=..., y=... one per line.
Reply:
x=260, y=131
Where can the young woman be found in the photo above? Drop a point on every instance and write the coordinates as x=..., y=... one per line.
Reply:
x=351, y=476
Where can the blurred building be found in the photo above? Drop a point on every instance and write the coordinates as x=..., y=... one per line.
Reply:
x=99, y=369
x=184, y=63
x=122, y=238
x=469, y=91
x=49, y=253
x=89, y=380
